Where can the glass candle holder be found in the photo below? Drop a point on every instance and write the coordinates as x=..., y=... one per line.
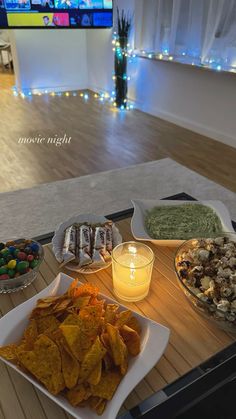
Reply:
x=132, y=265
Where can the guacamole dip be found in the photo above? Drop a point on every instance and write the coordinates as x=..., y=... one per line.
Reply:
x=180, y=222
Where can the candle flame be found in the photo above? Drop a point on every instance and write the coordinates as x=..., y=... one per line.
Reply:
x=133, y=250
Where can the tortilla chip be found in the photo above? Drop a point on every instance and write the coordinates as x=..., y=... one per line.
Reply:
x=91, y=313
x=70, y=366
x=77, y=394
x=118, y=348
x=72, y=319
x=47, y=302
x=48, y=307
x=81, y=302
x=91, y=317
x=134, y=324
x=94, y=402
x=72, y=335
x=47, y=323
x=110, y=313
x=95, y=375
x=101, y=407
x=131, y=339
x=31, y=334
x=39, y=312
x=76, y=291
x=79, y=339
x=123, y=317
x=44, y=362
x=94, y=301
x=8, y=352
x=92, y=358
x=62, y=305
x=107, y=385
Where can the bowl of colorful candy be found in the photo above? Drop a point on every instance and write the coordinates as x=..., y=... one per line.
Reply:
x=19, y=264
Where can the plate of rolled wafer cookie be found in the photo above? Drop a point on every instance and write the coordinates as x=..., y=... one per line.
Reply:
x=84, y=243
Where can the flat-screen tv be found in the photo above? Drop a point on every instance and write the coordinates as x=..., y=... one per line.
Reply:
x=54, y=14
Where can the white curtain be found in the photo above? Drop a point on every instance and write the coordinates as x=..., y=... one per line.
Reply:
x=203, y=29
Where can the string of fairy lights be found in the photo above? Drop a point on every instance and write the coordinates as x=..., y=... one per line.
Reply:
x=102, y=96
x=131, y=54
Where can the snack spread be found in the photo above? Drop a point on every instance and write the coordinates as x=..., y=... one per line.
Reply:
x=181, y=222
x=208, y=268
x=86, y=244
x=18, y=257
x=79, y=345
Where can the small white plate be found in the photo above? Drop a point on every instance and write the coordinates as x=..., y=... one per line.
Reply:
x=141, y=206
x=154, y=339
x=58, y=241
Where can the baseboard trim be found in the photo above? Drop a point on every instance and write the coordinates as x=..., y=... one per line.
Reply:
x=51, y=89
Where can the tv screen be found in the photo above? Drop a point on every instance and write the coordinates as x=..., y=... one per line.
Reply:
x=54, y=14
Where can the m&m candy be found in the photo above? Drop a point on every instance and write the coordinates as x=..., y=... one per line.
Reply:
x=11, y=249
x=22, y=266
x=21, y=256
x=3, y=270
x=34, y=247
x=11, y=264
x=5, y=252
x=34, y=263
x=11, y=273
x=5, y=276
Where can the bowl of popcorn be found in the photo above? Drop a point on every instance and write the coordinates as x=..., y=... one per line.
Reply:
x=206, y=272
x=19, y=264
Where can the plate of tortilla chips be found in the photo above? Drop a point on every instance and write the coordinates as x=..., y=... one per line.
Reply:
x=80, y=348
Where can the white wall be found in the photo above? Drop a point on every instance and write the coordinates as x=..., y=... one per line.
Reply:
x=203, y=101
x=50, y=59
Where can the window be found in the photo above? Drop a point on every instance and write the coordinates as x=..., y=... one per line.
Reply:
x=201, y=32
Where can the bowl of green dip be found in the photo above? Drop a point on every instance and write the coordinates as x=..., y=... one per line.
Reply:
x=169, y=223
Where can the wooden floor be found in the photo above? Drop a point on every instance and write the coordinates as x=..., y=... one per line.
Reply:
x=101, y=139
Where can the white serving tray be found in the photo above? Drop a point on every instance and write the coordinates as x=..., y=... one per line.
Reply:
x=58, y=241
x=142, y=205
x=154, y=339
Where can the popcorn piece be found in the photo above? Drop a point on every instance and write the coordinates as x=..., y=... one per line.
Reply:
x=205, y=282
x=219, y=241
x=203, y=255
x=225, y=291
x=233, y=306
x=223, y=305
x=231, y=317
x=232, y=262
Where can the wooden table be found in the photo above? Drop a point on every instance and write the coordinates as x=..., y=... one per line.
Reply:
x=193, y=339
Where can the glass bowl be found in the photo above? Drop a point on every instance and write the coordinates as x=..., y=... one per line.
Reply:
x=17, y=284
x=206, y=304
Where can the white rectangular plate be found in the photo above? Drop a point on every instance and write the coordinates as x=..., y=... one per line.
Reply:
x=141, y=206
x=154, y=340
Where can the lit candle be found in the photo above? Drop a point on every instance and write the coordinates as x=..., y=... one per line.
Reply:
x=132, y=265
